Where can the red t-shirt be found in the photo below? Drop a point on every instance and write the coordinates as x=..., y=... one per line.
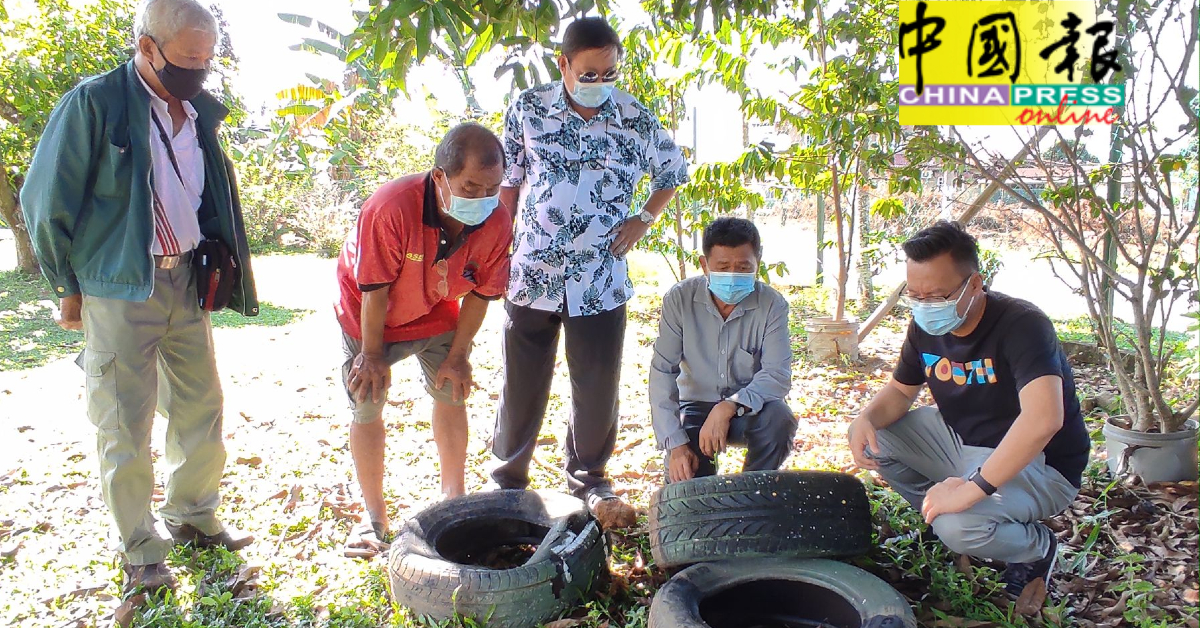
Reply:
x=399, y=241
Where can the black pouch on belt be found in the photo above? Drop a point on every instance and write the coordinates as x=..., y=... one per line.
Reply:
x=215, y=267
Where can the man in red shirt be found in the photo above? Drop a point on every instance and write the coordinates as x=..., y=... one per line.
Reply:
x=423, y=242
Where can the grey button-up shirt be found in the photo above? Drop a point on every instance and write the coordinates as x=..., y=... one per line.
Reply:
x=700, y=356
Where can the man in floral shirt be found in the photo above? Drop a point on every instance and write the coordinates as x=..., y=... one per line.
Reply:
x=576, y=150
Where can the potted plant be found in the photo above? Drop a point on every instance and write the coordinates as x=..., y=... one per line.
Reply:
x=1127, y=230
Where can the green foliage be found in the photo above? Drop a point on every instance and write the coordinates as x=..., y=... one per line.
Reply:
x=910, y=549
x=44, y=55
x=400, y=34
x=1190, y=362
x=990, y=264
x=330, y=119
x=1081, y=329
x=1067, y=152
x=295, y=198
x=30, y=338
x=268, y=316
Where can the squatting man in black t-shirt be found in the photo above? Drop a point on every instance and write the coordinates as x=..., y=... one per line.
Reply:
x=1006, y=446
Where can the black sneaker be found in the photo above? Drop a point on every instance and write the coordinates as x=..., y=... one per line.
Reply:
x=1018, y=575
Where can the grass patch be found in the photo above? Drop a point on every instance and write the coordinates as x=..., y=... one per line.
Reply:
x=1079, y=329
x=275, y=248
x=31, y=338
x=268, y=316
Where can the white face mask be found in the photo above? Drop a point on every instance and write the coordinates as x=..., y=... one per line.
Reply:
x=591, y=95
x=469, y=211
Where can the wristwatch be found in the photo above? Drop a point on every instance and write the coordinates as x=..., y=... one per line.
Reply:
x=741, y=410
x=977, y=478
x=646, y=217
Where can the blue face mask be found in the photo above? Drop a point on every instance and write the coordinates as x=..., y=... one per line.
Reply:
x=469, y=211
x=939, y=319
x=731, y=288
x=591, y=95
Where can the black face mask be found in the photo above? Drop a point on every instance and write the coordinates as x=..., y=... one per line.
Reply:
x=182, y=83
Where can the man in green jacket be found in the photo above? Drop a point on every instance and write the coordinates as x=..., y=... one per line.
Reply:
x=128, y=178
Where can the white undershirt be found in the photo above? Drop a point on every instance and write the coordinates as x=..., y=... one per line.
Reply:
x=180, y=200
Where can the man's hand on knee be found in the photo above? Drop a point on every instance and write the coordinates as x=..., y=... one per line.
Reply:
x=370, y=377
x=456, y=370
x=861, y=435
x=950, y=496
x=714, y=436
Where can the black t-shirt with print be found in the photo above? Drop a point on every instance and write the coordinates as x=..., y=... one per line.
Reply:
x=975, y=380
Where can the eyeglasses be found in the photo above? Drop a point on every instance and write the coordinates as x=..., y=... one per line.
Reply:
x=610, y=76
x=911, y=301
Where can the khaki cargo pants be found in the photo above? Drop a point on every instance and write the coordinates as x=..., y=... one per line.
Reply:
x=140, y=356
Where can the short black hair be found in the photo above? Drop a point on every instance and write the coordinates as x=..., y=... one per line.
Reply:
x=945, y=237
x=469, y=139
x=590, y=33
x=732, y=232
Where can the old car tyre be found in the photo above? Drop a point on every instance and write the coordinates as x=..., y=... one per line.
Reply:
x=431, y=573
x=791, y=593
x=760, y=514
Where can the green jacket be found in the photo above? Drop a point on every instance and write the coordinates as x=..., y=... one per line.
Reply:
x=87, y=201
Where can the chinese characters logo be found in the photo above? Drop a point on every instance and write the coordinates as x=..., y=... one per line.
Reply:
x=1008, y=62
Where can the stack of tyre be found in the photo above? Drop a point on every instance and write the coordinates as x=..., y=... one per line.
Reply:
x=756, y=550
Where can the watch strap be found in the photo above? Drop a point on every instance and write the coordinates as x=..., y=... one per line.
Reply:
x=984, y=485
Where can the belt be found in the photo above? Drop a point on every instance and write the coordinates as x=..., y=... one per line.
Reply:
x=167, y=262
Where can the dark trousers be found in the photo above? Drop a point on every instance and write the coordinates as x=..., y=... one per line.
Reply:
x=594, y=345
x=767, y=436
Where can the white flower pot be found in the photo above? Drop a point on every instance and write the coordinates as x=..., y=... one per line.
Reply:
x=1153, y=456
x=827, y=339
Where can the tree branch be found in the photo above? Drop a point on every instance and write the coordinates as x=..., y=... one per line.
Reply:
x=9, y=111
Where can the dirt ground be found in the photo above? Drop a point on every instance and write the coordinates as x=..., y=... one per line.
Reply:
x=289, y=474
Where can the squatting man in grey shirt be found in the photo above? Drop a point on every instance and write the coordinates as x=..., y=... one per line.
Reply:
x=722, y=362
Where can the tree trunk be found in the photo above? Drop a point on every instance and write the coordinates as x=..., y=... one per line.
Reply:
x=839, y=312
x=821, y=239
x=866, y=284
x=10, y=211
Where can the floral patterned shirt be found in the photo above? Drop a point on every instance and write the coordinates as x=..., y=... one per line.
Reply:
x=577, y=178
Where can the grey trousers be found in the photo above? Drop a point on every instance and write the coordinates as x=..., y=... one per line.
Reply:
x=139, y=356
x=920, y=450
x=594, y=347
x=767, y=436
x=430, y=352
